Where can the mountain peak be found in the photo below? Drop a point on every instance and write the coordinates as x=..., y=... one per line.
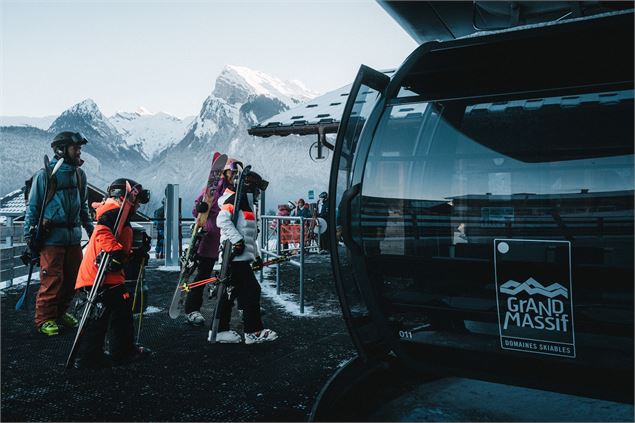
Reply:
x=87, y=106
x=142, y=111
x=236, y=84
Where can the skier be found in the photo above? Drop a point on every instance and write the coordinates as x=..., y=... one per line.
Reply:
x=244, y=286
x=59, y=248
x=112, y=311
x=324, y=214
x=302, y=209
x=207, y=252
x=159, y=217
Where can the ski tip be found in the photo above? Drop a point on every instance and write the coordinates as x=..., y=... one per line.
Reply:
x=128, y=186
x=215, y=156
x=59, y=164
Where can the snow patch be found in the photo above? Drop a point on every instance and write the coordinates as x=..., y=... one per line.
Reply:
x=169, y=268
x=152, y=310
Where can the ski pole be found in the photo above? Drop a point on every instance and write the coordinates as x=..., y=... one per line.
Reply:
x=188, y=286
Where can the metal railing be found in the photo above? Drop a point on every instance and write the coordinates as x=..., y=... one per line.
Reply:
x=270, y=230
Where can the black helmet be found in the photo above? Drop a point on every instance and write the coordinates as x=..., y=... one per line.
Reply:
x=324, y=195
x=117, y=189
x=255, y=183
x=64, y=139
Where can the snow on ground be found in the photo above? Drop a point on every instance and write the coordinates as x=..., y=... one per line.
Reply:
x=288, y=302
x=152, y=310
x=169, y=268
x=35, y=278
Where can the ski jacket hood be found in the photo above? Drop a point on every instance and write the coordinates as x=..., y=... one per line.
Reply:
x=66, y=212
x=103, y=239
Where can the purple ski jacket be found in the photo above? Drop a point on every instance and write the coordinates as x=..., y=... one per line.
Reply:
x=209, y=245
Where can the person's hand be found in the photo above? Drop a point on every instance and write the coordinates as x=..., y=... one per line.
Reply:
x=89, y=230
x=116, y=261
x=257, y=263
x=238, y=248
x=202, y=207
x=146, y=244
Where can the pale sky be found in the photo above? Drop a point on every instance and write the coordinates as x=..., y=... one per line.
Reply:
x=166, y=55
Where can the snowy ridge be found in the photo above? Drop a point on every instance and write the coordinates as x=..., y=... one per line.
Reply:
x=151, y=132
x=89, y=111
x=36, y=122
x=255, y=82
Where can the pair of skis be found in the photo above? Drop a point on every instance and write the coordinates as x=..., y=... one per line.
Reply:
x=38, y=233
x=128, y=205
x=227, y=258
x=188, y=260
x=187, y=287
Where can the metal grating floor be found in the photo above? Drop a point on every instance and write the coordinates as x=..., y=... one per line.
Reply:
x=187, y=379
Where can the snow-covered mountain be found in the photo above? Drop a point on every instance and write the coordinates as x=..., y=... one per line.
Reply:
x=242, y=97
x=105, y=142
x=151, y=133
x=36, y=122
x=237, y=83
x=120, y=146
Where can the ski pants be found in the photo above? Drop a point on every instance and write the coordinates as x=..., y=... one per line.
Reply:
x=245, y=289
x=194, y=299
x=59, y=265
x=112, y=315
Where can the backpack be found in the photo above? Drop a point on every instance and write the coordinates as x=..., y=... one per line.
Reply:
x=52, y=188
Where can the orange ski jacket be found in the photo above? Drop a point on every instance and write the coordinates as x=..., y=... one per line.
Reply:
x=103, y=239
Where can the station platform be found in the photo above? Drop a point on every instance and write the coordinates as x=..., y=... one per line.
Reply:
x=187, y=379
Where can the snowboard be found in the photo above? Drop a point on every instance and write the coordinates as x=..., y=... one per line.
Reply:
x=188, y=259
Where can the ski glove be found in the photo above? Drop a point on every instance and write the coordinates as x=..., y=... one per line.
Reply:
x=238, y=248
x=257, y=264
x=202, y=207
x=116, y=261
x=89, y=230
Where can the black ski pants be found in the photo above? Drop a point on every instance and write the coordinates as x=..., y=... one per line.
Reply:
x=194, y=299
x=112, y=315
x=246, y=289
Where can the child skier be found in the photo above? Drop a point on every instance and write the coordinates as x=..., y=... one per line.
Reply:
x=112, y=311
x=244, y=286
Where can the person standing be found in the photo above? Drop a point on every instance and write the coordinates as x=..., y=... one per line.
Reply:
x=323, y=213
x=112, y=311
x=244, y=286
x=159, y=220
x=207, y=252
x=65, y=212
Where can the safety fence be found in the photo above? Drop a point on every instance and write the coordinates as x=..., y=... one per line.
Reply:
x=288, y=236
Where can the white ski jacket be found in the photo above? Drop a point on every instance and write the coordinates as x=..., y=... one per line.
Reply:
x=245, y=229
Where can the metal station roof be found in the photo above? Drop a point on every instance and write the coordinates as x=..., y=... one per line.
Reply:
x=323, y=113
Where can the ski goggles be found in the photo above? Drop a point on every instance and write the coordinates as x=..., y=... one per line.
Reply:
x=78, y=138
x=234, y=166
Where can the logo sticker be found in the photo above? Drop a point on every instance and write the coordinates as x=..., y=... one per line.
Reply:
x=534, y=296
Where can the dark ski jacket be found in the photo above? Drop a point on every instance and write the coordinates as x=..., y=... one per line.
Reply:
x=66, y=212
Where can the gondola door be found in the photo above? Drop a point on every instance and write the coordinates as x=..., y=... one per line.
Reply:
x=343, y=196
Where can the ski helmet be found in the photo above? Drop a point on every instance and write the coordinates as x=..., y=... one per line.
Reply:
x=117, y=189
x=234, y=165
x=254, y=183
x=64, y=139
x=323, y=195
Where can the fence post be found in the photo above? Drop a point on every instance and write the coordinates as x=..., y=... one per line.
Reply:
x=172, y=225
x=262, y=246
x=278, y=230
x=302, y=265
